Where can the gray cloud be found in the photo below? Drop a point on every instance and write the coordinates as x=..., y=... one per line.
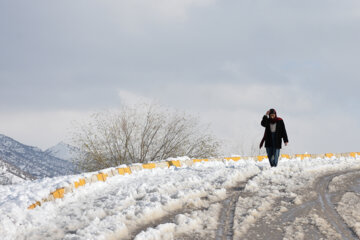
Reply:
x=233, y=57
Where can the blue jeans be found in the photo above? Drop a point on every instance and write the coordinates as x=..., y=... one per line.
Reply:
x=272, y=152
x=273, y=155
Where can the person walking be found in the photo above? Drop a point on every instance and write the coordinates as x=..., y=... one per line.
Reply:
x=274, y=132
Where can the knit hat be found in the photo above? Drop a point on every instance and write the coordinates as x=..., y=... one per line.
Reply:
x=272, y=111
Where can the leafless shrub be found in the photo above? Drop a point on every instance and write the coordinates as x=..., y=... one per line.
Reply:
x=138, y=135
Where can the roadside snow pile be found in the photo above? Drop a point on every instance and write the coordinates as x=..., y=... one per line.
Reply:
x=161, y=203
x=201, y=224
x=120, y=205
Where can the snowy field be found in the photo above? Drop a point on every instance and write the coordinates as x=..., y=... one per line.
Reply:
x=300, y=199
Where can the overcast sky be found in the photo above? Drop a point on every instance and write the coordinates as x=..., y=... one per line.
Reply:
x=226, y=61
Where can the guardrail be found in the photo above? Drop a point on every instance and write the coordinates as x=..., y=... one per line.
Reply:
x=102, y=176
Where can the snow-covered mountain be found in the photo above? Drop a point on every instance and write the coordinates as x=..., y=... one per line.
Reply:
x=63, y=151
x=10, y=174
x=33, y=160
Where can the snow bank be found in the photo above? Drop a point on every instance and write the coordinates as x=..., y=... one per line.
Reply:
x=201, y=223
x=125, y=205
x=119, y=206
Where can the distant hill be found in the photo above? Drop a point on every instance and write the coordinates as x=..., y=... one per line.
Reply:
x=63, y=151
x=10, y=174
x=33, y=160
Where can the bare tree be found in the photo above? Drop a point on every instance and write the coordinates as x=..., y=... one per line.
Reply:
x=140, y=134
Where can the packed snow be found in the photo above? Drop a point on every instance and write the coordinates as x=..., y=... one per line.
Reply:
x=181, y=203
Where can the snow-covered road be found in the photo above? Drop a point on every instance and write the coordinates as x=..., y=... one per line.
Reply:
x=313, y=217
x=300, y=199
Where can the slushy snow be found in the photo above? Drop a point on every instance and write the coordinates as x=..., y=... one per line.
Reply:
x=138, y=206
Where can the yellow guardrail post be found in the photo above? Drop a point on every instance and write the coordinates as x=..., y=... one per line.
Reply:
x=232, y=158
x=82, y=182
x=79, y=183
x=175, y=163
x=58, y=193
x=102, y=176
x=149, y=165
x=122, y=171
x=260, y=158
x=200, y=160
x=32, y=206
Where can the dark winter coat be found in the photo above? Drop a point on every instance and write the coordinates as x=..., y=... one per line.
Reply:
x=280, y=132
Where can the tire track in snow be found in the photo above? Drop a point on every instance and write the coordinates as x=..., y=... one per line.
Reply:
x=226, y=222
x=169, y=218
x=226, y=218
x=328, y=208
x=324, y=204
x=225, y=229
x=273, y=228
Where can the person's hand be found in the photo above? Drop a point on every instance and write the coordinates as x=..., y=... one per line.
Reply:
x=268, y=112
x=286, y=144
